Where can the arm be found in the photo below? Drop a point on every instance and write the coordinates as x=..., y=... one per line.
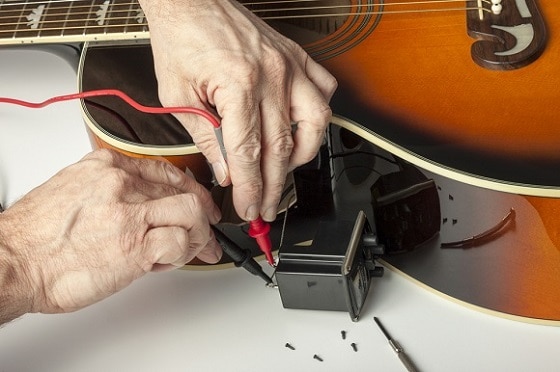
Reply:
x=217, y=55
x=95, y=227
x=15, y=297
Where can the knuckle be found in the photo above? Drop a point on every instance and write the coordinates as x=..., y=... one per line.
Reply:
x=191, y=204
x=321, y=115
x=277, y=63
x=115, y=179
x=204, y=140
x=246, y=72
x=249, y=150
x=282, y=145
x=103, y=154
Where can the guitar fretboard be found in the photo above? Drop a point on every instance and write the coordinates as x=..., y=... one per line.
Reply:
x=41, y=21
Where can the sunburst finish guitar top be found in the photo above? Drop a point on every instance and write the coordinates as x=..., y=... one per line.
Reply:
x=451, y=85
x=416, y=81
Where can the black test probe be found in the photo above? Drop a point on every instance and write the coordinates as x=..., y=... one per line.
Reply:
x=241, y=257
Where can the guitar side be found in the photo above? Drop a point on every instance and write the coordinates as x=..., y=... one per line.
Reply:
x=512, y=273
x=413, y=83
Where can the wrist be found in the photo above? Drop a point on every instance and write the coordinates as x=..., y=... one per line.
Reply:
x=16, y=295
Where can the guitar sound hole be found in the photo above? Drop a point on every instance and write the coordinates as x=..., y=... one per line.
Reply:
x=129, y=68
x=304, y=23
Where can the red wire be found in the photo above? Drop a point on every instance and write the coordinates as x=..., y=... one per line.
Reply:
x=259, y=229
x=115, y=92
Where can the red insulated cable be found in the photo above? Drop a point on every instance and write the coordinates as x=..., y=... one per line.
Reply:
x=258, y=229
x=121, y=95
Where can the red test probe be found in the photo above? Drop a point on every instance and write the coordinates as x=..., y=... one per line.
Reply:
x=258, y=230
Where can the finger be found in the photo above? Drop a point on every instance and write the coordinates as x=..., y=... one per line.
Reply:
x=276, y=151
x=212, y=252
x=321, y=78
x=149, y=170
x=206, y=140
x=241, y=127
x=183, y=210
x=179, y=231
x=311, y=118
x=170, y=247
x=200, y=129
x=160, y=179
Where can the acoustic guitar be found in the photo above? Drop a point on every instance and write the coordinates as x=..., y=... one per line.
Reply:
x=463, y=91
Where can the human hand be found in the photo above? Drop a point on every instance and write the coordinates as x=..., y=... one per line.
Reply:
x=217, y=55
x=103, y=222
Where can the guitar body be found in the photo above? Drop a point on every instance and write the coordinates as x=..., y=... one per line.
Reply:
x=412, y=79
x=466, y=97
x=512, y=272
x=413, y=82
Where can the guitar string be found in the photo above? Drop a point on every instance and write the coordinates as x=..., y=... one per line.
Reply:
x=277, y=2
x=280, y=10
x=134, y=18
x=351, y=6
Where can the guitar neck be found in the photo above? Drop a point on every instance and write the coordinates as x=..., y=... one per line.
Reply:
x=64, y=21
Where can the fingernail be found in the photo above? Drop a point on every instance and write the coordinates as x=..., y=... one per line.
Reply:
x=217, y=214
x=210, y=256
x=219, y=172
x=269, y=215
x=174, y=174
x=217, y=252
x=252, y=213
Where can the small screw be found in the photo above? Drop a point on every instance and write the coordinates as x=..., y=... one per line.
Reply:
x=354, y=346
x=317, y=357
x=343, y=333
x=289, y=346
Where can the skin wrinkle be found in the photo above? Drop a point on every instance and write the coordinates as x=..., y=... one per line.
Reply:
x=72, y=219
x=135, y=217
x=114, y=203
x=252, y=93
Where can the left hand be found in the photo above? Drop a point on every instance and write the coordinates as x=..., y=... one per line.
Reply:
x=100, y=224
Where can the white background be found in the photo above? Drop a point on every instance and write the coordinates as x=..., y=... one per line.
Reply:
x=224, y=320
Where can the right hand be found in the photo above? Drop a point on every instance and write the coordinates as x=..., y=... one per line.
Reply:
x=218, y=56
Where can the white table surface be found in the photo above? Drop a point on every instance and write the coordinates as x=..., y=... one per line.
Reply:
x=224, y=320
